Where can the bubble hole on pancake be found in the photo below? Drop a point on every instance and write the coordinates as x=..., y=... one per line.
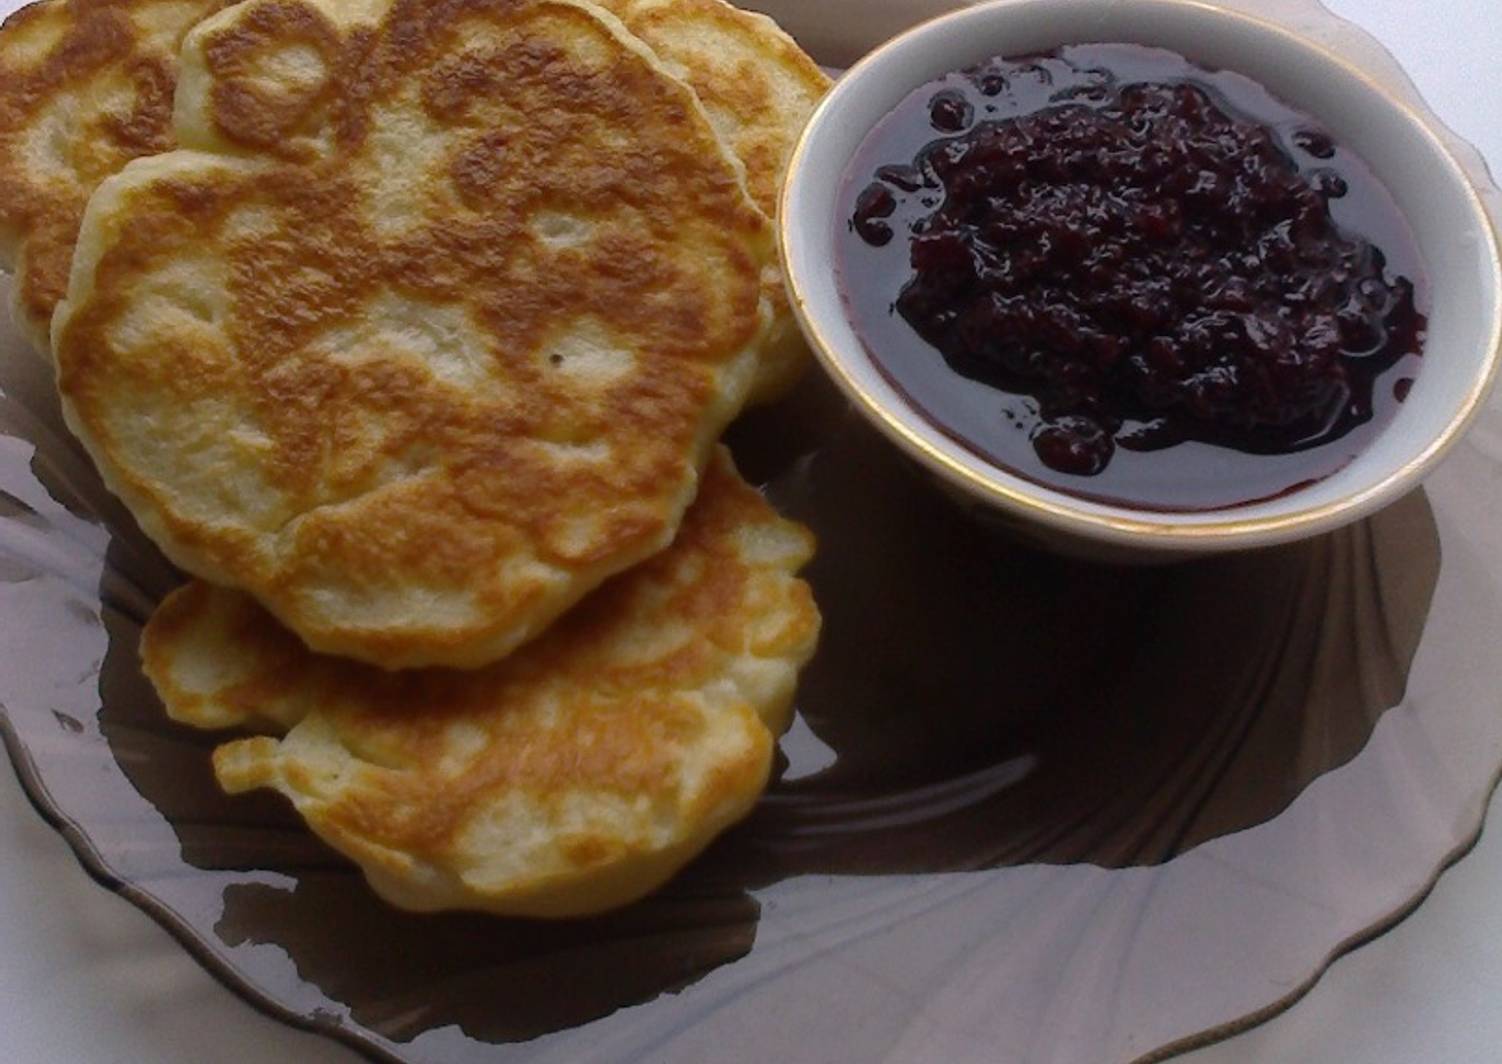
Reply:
x=428, y=329
x=85, y=87
x=576, y=775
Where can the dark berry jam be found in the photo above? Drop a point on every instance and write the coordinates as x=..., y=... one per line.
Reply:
x=1117, y=253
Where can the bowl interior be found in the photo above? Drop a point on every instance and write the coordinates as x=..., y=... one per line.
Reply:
x=1454, y=236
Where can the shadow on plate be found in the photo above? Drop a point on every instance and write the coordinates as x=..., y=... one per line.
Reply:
x=974, y=705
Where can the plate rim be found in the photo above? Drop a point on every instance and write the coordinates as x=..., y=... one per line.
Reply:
x=99, y=869
x=369, y=1045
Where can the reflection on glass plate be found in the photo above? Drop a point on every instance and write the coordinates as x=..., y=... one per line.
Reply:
x=1077, y=812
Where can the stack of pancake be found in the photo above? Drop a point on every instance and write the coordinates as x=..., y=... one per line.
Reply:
x=407, y=327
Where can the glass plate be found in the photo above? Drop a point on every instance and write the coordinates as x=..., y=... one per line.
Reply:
x=1031, y=808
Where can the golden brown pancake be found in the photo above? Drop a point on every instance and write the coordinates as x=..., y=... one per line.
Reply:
x=434, y=329
x=576, y=775
x=95, y=81
x=759, y=88
x=85, y=86
x=755, y=82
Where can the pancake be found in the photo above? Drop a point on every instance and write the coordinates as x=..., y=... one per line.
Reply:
x=97, y=79
x=759, y=88
x=756, y=84
x=429, y=328
x=575, y=776
x=85, y=86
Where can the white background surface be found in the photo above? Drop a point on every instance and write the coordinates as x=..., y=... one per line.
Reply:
x=85, y=977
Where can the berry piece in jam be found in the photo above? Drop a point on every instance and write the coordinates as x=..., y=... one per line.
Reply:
x=874, y=204
x=950, y=112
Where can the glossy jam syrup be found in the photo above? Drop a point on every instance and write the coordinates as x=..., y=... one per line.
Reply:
x=1130, y=278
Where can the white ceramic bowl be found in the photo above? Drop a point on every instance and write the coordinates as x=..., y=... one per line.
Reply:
x=1457, y=239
